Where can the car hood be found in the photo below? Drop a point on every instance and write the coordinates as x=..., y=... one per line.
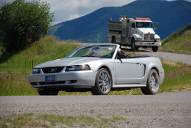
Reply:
x=67, y=62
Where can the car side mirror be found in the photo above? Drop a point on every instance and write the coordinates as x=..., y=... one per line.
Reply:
x=119, y=58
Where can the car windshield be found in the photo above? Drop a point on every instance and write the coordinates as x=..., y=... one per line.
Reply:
x=143, y=24
x=102, y=51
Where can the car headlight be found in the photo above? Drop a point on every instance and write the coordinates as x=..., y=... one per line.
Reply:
x=36, y=71
x=77, y=68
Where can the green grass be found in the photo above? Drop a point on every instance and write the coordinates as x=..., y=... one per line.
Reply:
x=179, y=42
x=53, y=121
x=177, y=77
x=14, y=71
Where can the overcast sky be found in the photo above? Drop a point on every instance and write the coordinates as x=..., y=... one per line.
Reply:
x=70, y=9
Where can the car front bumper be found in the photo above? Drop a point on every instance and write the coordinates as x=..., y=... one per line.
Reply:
x=78, y=79
x=147, y=44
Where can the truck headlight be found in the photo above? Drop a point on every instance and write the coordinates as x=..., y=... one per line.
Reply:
x=138, y=39
x=157, y=39
x=77, y=68
x=36, y=71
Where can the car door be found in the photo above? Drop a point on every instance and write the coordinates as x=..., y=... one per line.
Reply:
x=129, y=71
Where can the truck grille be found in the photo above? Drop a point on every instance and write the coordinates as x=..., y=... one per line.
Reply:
x=52, y=69
x=149, y=37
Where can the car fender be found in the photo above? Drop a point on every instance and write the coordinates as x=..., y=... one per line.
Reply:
x=156, y=64
x=110, y=68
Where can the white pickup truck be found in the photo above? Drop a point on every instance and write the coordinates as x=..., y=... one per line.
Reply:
x=134, y=32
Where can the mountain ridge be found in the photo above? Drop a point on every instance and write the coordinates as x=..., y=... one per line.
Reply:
x=92, y=27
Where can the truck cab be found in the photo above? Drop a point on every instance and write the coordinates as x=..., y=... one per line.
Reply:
x=134, y=32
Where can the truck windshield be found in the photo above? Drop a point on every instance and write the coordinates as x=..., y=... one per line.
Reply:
x=143, y=24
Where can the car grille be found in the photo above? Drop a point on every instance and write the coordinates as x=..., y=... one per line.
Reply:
x=56, y=82
x=45, y=83
x=149, y=37
x=52, y=69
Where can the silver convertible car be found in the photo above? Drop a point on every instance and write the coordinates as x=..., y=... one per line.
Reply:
x=99, y=67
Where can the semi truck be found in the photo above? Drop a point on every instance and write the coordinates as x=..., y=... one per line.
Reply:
x=134, y=32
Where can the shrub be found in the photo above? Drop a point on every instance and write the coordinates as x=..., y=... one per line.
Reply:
x=22, y=23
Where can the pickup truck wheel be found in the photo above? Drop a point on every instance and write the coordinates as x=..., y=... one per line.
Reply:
x=155, y=49
x=47, y=92
x=152, y=83
x=103, y=82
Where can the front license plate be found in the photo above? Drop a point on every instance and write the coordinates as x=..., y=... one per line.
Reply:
x=51, y=78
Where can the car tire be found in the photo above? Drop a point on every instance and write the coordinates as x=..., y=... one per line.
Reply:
x=47, y=92
x=152, y=83
x=155, y=49
x=103, y=82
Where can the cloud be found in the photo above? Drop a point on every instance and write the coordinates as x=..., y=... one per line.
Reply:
x=70, y=9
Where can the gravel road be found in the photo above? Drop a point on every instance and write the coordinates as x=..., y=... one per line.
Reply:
x=165, y=110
